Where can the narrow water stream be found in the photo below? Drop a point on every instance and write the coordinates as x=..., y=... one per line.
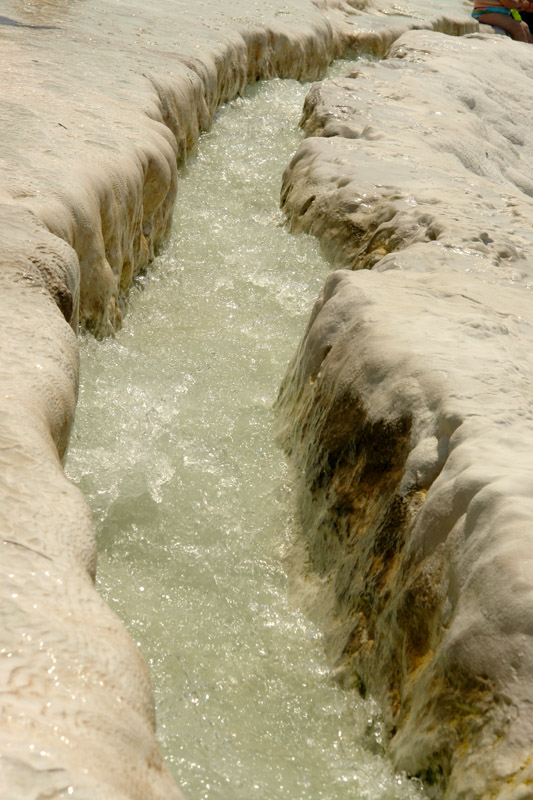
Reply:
x=190, y=496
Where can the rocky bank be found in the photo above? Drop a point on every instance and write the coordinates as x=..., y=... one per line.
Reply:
x=407, y=409
x=99, y=106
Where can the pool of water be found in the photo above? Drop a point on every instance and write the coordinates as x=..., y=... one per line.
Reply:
x=192, y=500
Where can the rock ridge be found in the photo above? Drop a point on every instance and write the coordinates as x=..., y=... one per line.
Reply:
x=98, y=107
x=406, y=409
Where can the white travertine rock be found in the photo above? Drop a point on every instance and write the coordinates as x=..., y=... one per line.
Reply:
x=99, y=104
x=95, y=158
x=419, y=148
x=407, y=408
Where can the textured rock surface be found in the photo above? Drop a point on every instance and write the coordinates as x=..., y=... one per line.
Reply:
x=97, y=109
x=407, y=409
x=99, y=104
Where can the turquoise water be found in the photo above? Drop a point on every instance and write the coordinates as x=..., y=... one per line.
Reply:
x=191, y=498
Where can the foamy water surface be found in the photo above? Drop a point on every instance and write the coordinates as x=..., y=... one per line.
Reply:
x=191, y=498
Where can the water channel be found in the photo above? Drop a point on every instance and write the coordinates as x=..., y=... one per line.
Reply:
x=191, y=498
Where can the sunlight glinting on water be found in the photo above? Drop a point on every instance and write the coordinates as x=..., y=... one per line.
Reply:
x=191, y=498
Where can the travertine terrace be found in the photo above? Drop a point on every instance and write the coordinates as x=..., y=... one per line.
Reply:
x=99, y=105
x=407, y=409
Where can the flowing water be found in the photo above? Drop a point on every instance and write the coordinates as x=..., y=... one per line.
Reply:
x=191, y=498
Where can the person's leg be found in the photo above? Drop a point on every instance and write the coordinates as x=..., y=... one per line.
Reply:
x=516, y=30
x=527, y=17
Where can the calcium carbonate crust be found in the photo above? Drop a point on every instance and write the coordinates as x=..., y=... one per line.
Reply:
x=407, y=409
x=99, y=106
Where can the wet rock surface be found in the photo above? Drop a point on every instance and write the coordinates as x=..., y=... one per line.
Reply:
x=98, y=108
x=406, y=410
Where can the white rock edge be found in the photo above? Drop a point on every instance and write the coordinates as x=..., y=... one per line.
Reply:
x=90, y=146
x=407, y=408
